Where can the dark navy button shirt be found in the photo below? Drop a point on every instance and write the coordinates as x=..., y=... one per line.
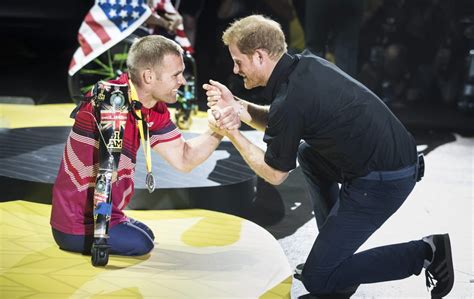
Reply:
x=347, y=124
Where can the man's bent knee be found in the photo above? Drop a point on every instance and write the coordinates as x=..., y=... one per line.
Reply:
x=144, y=249
x=315, y=283
x=303, y=151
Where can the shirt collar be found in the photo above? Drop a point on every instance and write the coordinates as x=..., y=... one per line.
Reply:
x=279, y=74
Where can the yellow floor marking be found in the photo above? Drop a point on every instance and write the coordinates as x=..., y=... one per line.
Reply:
x=213, y=232
x=24, y=116
x=198, y=253
x=13, y=116
x=281, y=290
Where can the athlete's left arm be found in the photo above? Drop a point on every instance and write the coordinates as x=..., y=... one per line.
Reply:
x=185, y=155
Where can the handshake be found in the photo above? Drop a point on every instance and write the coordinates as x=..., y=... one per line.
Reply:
x=224, y=110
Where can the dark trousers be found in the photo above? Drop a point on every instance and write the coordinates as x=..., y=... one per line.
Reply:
x=346, y=218
x=126, y=238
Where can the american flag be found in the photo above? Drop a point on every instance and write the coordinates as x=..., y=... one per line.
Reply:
x=110, y=21
x=165, y=6
x=106, y=24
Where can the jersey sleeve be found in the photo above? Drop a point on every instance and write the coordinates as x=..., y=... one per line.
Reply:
x=85, y=122
x=162, y=129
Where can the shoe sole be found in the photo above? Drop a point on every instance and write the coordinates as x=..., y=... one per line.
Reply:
x=447, y=246
x=299, y=269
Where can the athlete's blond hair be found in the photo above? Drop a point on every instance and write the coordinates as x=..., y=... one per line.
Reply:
x=148, y=52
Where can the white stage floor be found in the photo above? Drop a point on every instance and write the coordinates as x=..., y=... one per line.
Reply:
x=443, y=202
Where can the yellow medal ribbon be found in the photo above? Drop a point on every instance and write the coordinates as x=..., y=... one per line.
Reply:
x=150, y=181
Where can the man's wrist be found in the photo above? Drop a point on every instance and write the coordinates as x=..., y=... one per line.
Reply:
x=238, y=107
x=216, y=135
x=231, y=134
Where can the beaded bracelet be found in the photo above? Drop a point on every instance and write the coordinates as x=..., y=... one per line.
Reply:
x=241, y=108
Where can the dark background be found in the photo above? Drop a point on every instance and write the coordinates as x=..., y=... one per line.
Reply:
x=39, y=39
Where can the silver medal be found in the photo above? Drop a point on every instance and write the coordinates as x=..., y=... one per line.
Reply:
x=150, y=182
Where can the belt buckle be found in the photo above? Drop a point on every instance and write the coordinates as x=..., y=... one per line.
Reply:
x=420, y=167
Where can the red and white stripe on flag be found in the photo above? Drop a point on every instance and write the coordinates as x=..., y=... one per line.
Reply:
x=107, y=23
x=165, y=6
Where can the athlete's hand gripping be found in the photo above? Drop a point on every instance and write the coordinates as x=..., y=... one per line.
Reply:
x=218, y=95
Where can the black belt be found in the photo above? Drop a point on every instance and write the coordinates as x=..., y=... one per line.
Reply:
x=417, y=170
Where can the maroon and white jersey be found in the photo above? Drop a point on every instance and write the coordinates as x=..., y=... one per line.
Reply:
x=73, y=191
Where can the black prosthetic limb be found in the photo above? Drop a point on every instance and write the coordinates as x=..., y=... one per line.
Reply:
x=111, y=103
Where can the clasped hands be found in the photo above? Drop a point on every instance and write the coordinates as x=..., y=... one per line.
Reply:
x=223, y=113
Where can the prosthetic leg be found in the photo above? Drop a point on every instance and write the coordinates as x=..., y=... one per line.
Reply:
x=111, y=103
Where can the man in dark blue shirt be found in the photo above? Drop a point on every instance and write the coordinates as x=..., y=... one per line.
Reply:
x=358, y=159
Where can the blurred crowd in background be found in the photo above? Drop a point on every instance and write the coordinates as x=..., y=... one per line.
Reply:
x=417, y=51
x=404, y=51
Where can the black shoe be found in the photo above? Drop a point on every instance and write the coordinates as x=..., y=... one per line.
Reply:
x=298, y=271
x=441, y=266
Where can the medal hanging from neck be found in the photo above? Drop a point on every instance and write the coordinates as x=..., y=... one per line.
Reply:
x=142, y=127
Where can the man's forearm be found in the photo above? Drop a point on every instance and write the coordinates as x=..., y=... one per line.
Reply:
x=253, y=115
x=255, y=158
x=198, y=149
